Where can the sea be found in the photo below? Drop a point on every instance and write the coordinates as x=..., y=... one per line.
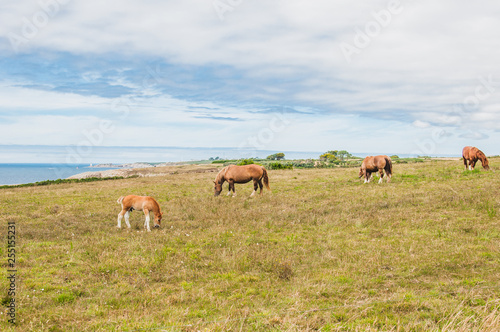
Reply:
x=21, y=164
x=19, y=173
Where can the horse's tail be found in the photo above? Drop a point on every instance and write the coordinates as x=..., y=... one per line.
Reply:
x=265, y=178
x=119, y=200
x=388, y=166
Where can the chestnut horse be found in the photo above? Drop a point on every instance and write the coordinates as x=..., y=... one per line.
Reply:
x=378, y=163
x=140, y=203
x=473, y=154
x=241, y=174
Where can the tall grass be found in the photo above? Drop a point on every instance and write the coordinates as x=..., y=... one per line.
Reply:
x=321, y=251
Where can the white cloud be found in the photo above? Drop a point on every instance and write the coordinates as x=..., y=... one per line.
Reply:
x=421, y=124
x=419, y=69
x=474, y=135
x=25, y=99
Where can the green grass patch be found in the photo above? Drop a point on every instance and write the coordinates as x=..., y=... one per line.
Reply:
x=321, y=251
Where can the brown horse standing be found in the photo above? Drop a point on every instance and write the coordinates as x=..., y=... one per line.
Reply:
x=241, y=174
x=140, y=203
x=378, y=163
x=473, y=154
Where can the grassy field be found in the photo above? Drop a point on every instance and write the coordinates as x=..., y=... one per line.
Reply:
x=322, y=251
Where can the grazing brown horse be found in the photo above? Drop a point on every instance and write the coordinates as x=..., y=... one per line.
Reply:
x=473, y=154
x=378, y=163
x=241, y=174
x=140, y=203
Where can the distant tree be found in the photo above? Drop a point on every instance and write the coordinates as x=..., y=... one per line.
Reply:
x=328, y=156
x=335, y=156
x=276, y=156
x=343, y=155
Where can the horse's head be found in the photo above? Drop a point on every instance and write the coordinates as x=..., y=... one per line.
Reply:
x=361, y=173
x=157, y=220
x=484, y=160
x=217, y=188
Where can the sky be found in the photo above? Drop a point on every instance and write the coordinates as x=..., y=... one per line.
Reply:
x=409, y=77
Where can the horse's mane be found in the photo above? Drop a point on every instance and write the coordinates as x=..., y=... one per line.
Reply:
x=481, y=156
x=157, y=205
x=221, y=174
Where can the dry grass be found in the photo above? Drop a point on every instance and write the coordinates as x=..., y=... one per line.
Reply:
x=321, y=251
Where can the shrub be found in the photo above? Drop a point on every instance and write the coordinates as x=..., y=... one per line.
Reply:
x=278, y=165
x=245, y=162
x=328, y=157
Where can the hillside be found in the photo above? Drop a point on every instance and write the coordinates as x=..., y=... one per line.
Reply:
x=322, y=250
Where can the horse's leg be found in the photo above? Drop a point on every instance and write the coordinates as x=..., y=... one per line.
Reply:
x=127, y=214
x=472, y=164
x=261, y=186
x=146, y=223
x=255, y=186
x=368, y=177
x=120, y=216
x=231, y=187
x=465, y=163
x=381, y=171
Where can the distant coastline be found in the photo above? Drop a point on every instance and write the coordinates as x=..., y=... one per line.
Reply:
x=119, y=155
x=126, y=165
x=17, y=164
x=21, y=173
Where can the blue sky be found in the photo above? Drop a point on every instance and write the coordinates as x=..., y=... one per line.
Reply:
x=409, y=77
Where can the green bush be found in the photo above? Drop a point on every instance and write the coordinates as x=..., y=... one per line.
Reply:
x=245, y=162
x=278, y=165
